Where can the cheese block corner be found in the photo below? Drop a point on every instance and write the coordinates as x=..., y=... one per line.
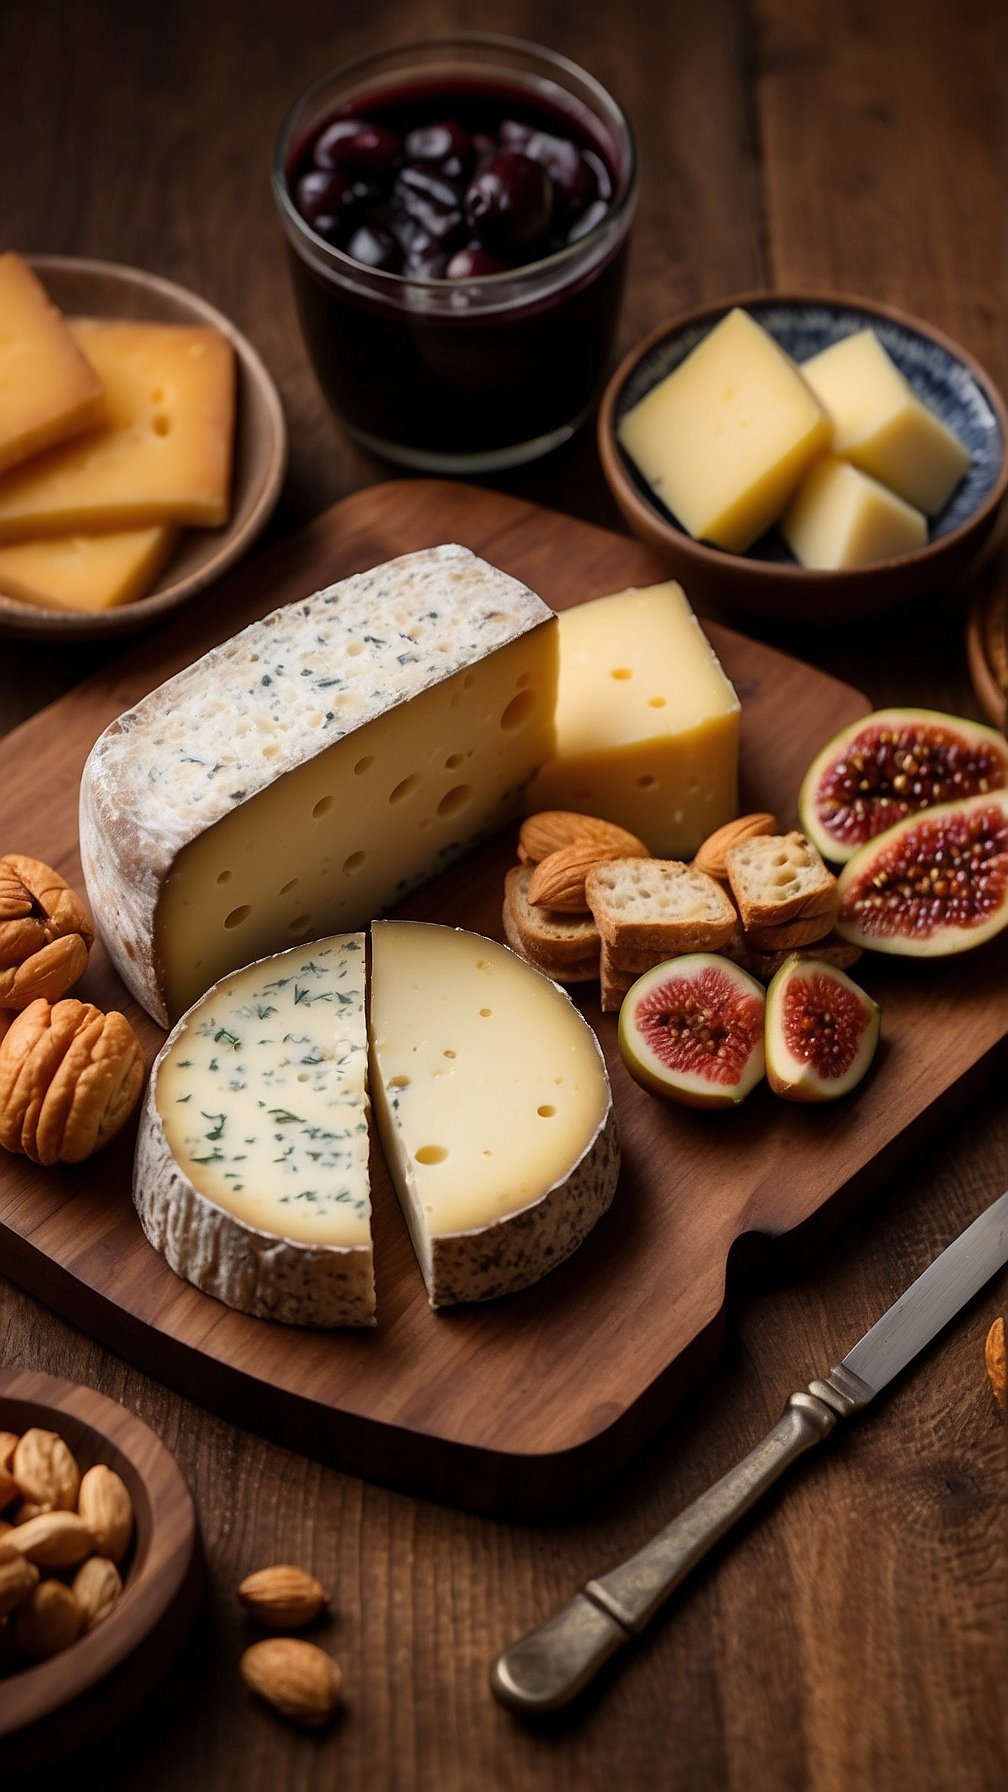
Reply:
x=251, y=1166
x=302, y=776
x=493, y=1107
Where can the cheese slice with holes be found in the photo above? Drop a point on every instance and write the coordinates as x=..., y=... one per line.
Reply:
x=301, y=777
x=251, y=1169
x=48, y=389
x=647, y=722
x=163, y=452
x=493, y=1108
x=85, y=572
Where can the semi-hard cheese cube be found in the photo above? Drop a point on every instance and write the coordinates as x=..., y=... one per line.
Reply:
x=251, y=1169
x=647, y=722
x=840, y=517
x=726, y=436
x=48, y=389
x=882, y=426
x=302, y=776
x=493, y=1107
x=163, y=452
x=85, y=572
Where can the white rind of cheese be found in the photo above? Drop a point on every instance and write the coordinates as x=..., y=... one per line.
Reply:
x=493, y=1107
x=251, y=1167
x=305, y=774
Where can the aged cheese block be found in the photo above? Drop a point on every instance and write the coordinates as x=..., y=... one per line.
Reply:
x=840, y=517
x=882, y=426
x=48, y=389
x=85, y=572
x=493, y=1107
x=647, y=722
x=163, y=452
x=726, y=436
x=302, y=776
x=251, y=1169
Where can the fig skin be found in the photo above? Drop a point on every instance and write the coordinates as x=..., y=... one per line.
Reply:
x=958, y=758
x=867, y=880
x=790, y=1073
x=723, y=986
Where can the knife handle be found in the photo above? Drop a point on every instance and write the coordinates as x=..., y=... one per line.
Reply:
x=544, y=1670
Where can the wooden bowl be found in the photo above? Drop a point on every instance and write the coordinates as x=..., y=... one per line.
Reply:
x=68, y=1701
x=765, y=584
x=103, y=289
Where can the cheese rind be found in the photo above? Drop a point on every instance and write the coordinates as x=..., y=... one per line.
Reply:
x=493, y=1108
x=840, y=517
x=647, y=722
x=303, y=775
x=880, y=424
x=85, y=572
x=251, y=1168
x=163, y=450
x=48, y=389
x=726, y=436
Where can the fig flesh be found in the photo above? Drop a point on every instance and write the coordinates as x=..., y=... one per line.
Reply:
x=691, y=1030
x=821, y=1031
x=891, y=764
x=933, y=885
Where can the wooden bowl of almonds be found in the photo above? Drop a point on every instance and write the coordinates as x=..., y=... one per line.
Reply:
x=100, y=1566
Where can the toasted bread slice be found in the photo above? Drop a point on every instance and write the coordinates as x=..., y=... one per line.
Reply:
x=763, y=964
x=584, y=970
x=556, y=938
x=660, y=904
x=777, y=877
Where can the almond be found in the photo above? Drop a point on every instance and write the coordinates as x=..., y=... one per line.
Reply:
x=558, y=881
x=44, y=1468
x=53, y=1539
x=49, y=1620
x=18, y=1578
x=710, y=856
x=8, y=1444
x=282, y=1597
x=551, y=829
x=297, y=1678
x=996, y=1359
x=106, y=1508
x=96, y=1586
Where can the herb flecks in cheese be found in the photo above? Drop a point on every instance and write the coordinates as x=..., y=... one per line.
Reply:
x=252, y=1164
x=306, y=773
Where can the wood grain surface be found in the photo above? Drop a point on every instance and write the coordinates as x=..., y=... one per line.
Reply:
x=854, y=1633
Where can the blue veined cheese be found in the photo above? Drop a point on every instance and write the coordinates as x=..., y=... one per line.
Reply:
x=301, y=777
x=493, y=1107
x=251, y=1169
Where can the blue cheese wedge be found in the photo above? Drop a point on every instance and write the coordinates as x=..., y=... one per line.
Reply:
x=301, y=777
x=251, y=1169
x=493, y=1107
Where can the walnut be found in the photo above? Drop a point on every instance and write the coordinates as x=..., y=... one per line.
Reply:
x=70, y=1076
x=45, y=932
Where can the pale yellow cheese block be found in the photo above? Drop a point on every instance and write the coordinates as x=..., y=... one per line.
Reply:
x=647, y=722
x=85, y=572
x=164, y=452
x=48, y=390
x=840, y=517
x=880, y=424
x=725, y=438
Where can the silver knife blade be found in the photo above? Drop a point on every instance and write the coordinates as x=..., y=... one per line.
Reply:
x=928, y=1305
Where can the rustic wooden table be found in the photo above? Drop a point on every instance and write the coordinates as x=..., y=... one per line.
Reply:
x=854, y=1633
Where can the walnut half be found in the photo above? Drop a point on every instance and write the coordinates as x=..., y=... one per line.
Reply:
x=45, y=932
x=70, y=1076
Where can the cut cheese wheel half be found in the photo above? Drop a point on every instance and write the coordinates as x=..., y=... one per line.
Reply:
x=493, y=1108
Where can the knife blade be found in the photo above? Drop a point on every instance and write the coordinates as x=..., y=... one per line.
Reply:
x=544, y=1670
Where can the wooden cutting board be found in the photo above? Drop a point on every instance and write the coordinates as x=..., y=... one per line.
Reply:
x=523, y=1405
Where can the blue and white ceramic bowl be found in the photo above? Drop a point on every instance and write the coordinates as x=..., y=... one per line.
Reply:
x=766, y=583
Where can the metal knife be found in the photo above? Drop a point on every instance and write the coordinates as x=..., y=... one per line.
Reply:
x=549, y=1667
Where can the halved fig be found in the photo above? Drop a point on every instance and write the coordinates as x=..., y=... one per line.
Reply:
x=894, y=763
x=821, y=1031
x=691, y=1030
x=935, y=884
